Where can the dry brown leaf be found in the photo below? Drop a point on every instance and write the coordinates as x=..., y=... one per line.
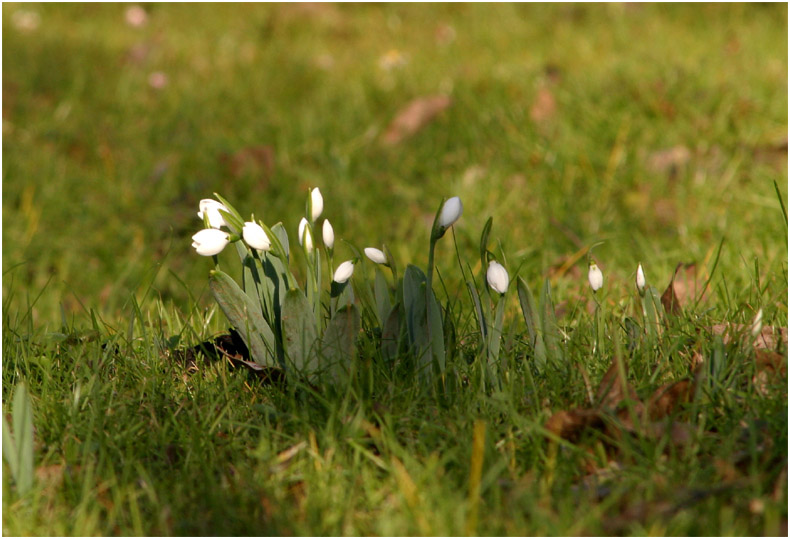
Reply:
x=666, y=398
x=413, y=117
x=688, y=285
x=768, y=365
x=611, y=392
x=670, y=301
x=544, y=108
x=570, y=424
x=669, y=160
x=768, y=339
x=679, y=433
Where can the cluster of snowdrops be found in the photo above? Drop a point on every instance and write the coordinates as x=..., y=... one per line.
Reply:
x=292, y=327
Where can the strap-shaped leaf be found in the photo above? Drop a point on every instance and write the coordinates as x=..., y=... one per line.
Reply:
x=383, y=303
x=551, y=332
x=18, y=447
x=300, y=332
x=534, y=325
x=338, y=345
x=391, y=333
x=246, y=317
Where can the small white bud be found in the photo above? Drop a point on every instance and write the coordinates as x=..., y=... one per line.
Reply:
x=210, y=241
x=255, y=236
x=305, y=238
x=329, y=234
x=640, y=279
x=343, y=272
x=497, y=277
x=451, y=212
x=316, y=203
x=595, y=277
x=376, y=255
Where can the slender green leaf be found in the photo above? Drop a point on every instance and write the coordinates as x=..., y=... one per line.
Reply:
x=338, y=345
x=534, y=324
x=18, y=446
x=551, y=333
x=246, y=317
x=382, y=292
x=300, y=332
x=391, y=333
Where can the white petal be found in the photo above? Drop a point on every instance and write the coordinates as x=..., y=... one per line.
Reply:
x=316, y=202
x=343, y=272
x=451, y=211
x=376, y=255
x=497, y=277
x=329, y=234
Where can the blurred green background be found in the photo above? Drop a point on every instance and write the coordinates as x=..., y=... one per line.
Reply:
x=659, y=129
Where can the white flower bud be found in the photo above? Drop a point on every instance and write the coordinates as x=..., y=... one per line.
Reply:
x=450, y=213
x=212, y=207
x=343, y=272
x=316, y=203
x=210, y=241
x=305, y=238
x=255, y=236
x=640, y=279
x=329, y=234
x=595, y=277
x=376, y=255
x=497, y=277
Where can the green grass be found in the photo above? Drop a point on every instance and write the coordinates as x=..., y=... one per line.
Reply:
x=102, y=175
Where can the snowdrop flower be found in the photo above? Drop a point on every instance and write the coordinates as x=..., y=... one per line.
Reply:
x=210, y=241
x=329, y=234
x=640, y=279
x=343, y=272
x=316, y=203
x=305, y=236
x=595, y=277
x=451, y=211
x=376, y=255
x=497, y=277
x=211, y=208
x=255, y=236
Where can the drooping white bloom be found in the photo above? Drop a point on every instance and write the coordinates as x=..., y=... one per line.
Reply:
x=210, y=241
x=376, y=255
x=255, y=236
x=329, y=234
x=305, y=238
x=343, y=272
x=595, y=277
x=450, y=213
x=497, y=277
x=212, y=207
x=640, y=279
x=316, y=203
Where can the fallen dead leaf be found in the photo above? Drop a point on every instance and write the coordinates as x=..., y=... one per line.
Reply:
x=570, y=424
x=611, y=393
x=544, y=108
x=667, y=398
x=669, y=160
x=688, y=285
x=770, y=337
x=413, y=117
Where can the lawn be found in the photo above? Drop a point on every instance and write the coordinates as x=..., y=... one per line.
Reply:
x=620, y=134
